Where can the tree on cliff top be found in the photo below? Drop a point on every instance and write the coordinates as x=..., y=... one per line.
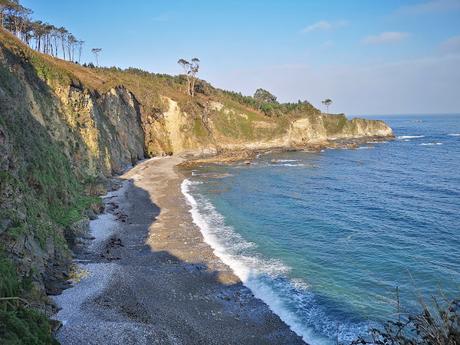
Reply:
x=40, y=36
x=263, y=96
x=327, y=102
x=191, y=69
x=96, y=52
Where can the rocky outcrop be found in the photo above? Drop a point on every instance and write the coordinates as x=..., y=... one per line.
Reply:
x=249, y=131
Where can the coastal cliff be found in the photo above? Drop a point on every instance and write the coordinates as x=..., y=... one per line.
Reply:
x=64, y=129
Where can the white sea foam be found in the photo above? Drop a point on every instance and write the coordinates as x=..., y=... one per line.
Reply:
x=290, y=165
x=253, y=270
x=402, y=137
x=454, y=134
x=430, y=144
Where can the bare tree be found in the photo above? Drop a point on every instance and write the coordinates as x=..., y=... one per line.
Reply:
x=80, y=48
x=194, y=68
x=41, y=36
x=96, y=52
x=191, y=69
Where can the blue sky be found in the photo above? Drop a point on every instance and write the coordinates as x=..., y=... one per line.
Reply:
x=369, y=57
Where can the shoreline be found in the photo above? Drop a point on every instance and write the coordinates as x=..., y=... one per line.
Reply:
x=155, y=280
x=248, y=155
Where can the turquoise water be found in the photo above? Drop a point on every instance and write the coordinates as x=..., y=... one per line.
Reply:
x=325, y=238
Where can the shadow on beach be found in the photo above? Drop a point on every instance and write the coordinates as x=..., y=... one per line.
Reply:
x=159, y=283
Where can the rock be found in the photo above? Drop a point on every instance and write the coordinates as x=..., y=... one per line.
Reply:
x=91, y=214
x=80, y=228
x=5, y=224
x=55, y=325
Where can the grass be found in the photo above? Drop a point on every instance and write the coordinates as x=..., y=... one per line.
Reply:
x=198, y=129
x=437, y=323
x=334, y=123
x=19, y=324
x=68, y=215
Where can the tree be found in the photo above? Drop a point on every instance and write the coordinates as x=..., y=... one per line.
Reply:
x=191, y=69
x=96, y=52
x=62, y=33
x=40, y=36
x=80, y=48
x=4, y=7
x=327, y=102
x=263, y=96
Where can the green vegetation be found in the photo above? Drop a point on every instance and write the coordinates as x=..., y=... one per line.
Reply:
x=41, y=191
x=19, y=324
x=436, y=324
x=66, y=216
x=334, y=123
x=267, y=103
x=190, y=69
x=264, y=97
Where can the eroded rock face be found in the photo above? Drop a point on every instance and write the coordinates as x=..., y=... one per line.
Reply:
x=203, y=132
x=322, y=128
x=54, y=136
x=107, y=128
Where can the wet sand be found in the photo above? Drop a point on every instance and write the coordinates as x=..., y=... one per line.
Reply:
x=149, y=278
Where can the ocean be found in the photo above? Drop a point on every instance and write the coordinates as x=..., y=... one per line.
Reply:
x=326, y=238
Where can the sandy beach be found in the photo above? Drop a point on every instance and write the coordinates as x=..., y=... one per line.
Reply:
x=149, y=278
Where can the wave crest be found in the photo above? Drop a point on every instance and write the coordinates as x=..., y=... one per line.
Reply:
x=291, y=300
x=402, y=137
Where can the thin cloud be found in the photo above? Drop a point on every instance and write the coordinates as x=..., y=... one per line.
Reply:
x=431, y=6
x=325, y=25
x=451, y=45
x=162, y=18
x=386, y=37
x=327, y=44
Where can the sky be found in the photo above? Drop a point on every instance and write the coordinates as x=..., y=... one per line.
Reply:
x=368, y=56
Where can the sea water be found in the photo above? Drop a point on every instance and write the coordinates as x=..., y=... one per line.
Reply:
x=326, y=238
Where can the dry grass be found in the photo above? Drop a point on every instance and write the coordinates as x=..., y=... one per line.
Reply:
x=436, y=324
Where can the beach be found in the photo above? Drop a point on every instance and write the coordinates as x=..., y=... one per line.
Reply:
x=149, y=278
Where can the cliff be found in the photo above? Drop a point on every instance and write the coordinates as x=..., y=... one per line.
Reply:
x=64, y=128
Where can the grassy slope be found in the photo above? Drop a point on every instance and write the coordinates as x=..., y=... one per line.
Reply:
x=39, y=194
x=240, y=125
x=149, y=88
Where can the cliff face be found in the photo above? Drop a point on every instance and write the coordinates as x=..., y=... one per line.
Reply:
x=58, y=139
x=64, y=128
x=224, y=127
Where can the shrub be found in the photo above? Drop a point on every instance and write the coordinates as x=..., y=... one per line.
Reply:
x=438, y=324
x=19, y=324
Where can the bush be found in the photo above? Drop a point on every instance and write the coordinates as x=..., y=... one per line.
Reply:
x=19, y=325
x=24, y=327
x=438, y=324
